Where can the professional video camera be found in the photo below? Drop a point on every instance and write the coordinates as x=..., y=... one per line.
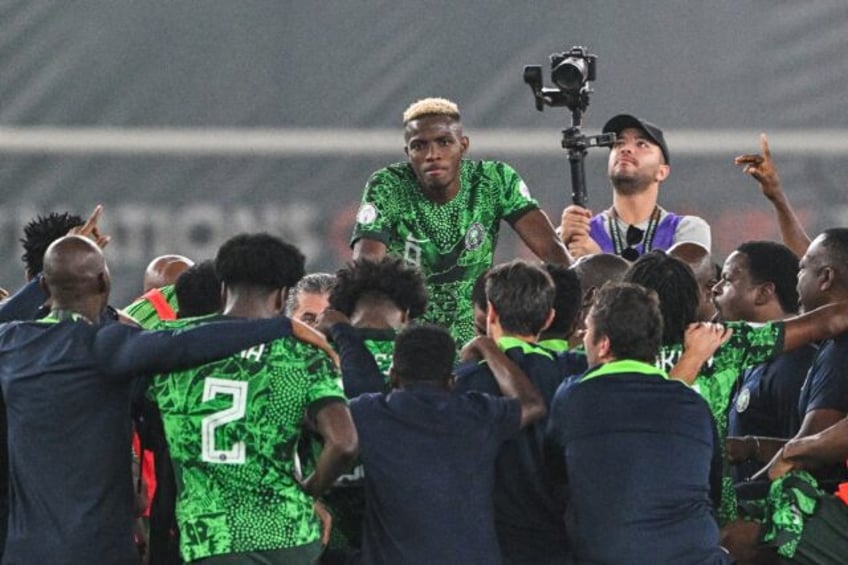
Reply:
x=571, y=72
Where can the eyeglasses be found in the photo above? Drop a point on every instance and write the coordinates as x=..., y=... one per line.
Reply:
x=634, y=238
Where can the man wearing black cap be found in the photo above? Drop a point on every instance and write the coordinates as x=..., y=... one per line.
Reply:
x=638, y=164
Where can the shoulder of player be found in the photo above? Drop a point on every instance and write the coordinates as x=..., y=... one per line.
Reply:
x=399, y=173
x=294, y=350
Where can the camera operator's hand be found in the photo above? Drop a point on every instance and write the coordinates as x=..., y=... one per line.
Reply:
x=574, y=231
x=762, y=168
x=581, y=245
x=575, y=222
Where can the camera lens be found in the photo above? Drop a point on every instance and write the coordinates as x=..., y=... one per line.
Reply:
x=570, y=74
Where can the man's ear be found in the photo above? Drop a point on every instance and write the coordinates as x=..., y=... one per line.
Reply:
x=549, y=321
x=491, y=316
x=662, y=173
x=604, y=350
x=827, y=279
x=103, y=283
x=280, y=300
x=764, y=293
x=464, y=144
x=224, y=294
x=43, y=284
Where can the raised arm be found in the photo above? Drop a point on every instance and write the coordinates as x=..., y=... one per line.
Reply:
x=123, y=350
x=824, y=322
x=510, y=378
x=370, y=249
x=25, y=303
x=761, y=167
x=360, y=373
x=700, y=341
x=538, y=234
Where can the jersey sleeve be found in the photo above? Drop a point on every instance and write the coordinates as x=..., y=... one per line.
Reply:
x=360, y=373
x=502, y=414
x=123, y=350
x=25, y=303
x=750, y=345
x=377, y=217
x=322, y=381
x=828, y=383
x=515, y=198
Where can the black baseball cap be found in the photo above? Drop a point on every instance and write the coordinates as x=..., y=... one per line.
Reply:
x=624, y=121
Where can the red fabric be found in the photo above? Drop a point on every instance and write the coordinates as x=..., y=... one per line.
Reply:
x=842, y=492
x=148, y=472
x=160, y=304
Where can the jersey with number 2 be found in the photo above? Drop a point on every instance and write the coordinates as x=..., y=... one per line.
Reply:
x=232, y=428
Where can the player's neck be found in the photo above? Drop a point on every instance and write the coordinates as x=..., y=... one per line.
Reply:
x=377, y=319
x=635, y=208
x=442, y=195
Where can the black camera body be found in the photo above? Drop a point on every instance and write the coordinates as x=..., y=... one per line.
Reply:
x=571, y=72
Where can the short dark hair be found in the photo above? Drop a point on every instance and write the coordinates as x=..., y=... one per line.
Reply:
x=568, y=297
x=835, y=244
x=629, y=315
x=522, y=294
x=390, y=277
x=675, y=285
x=478, y=292
x=259, y=259
x=198, y=290
x=423, y=352
x=40, y=233
x=313, y=283
x=773, y=262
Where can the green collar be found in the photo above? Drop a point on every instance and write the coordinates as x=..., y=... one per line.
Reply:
x=624, y=366
x=59, y=315
x=509, y=342
x=555, y=344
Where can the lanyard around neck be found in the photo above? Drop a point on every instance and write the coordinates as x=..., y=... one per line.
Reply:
x=647, y=239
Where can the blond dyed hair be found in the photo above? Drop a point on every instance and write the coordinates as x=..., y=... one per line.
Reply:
x=431, y=107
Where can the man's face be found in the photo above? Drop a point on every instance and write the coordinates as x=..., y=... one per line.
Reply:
x=814, y=261
x=635, y=162
x=590, y=340
x=735, y=293
x=309, y=307
x=435, y=146
x=479, y=321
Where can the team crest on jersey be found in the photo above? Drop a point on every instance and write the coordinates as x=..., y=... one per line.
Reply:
x=367, y=213
x=524, y=191
x=743, y=400
x=475, y=236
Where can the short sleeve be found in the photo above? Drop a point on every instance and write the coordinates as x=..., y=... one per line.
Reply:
x=828, y=385
x=515, y=198
x=322, y=382
x=694, y=230
x=377, y=214
x=502, y=414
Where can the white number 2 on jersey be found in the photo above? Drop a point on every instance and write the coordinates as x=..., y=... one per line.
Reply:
x=238, y=391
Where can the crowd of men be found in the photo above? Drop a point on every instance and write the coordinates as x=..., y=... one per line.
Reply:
x=626, y=399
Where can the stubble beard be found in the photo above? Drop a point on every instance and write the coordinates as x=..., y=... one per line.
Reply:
x=629, y=185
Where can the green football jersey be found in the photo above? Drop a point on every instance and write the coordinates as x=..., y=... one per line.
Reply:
x=232, y=428
x=453, y=243
x=143, y=311
x=381, y=345
x=750, y=345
